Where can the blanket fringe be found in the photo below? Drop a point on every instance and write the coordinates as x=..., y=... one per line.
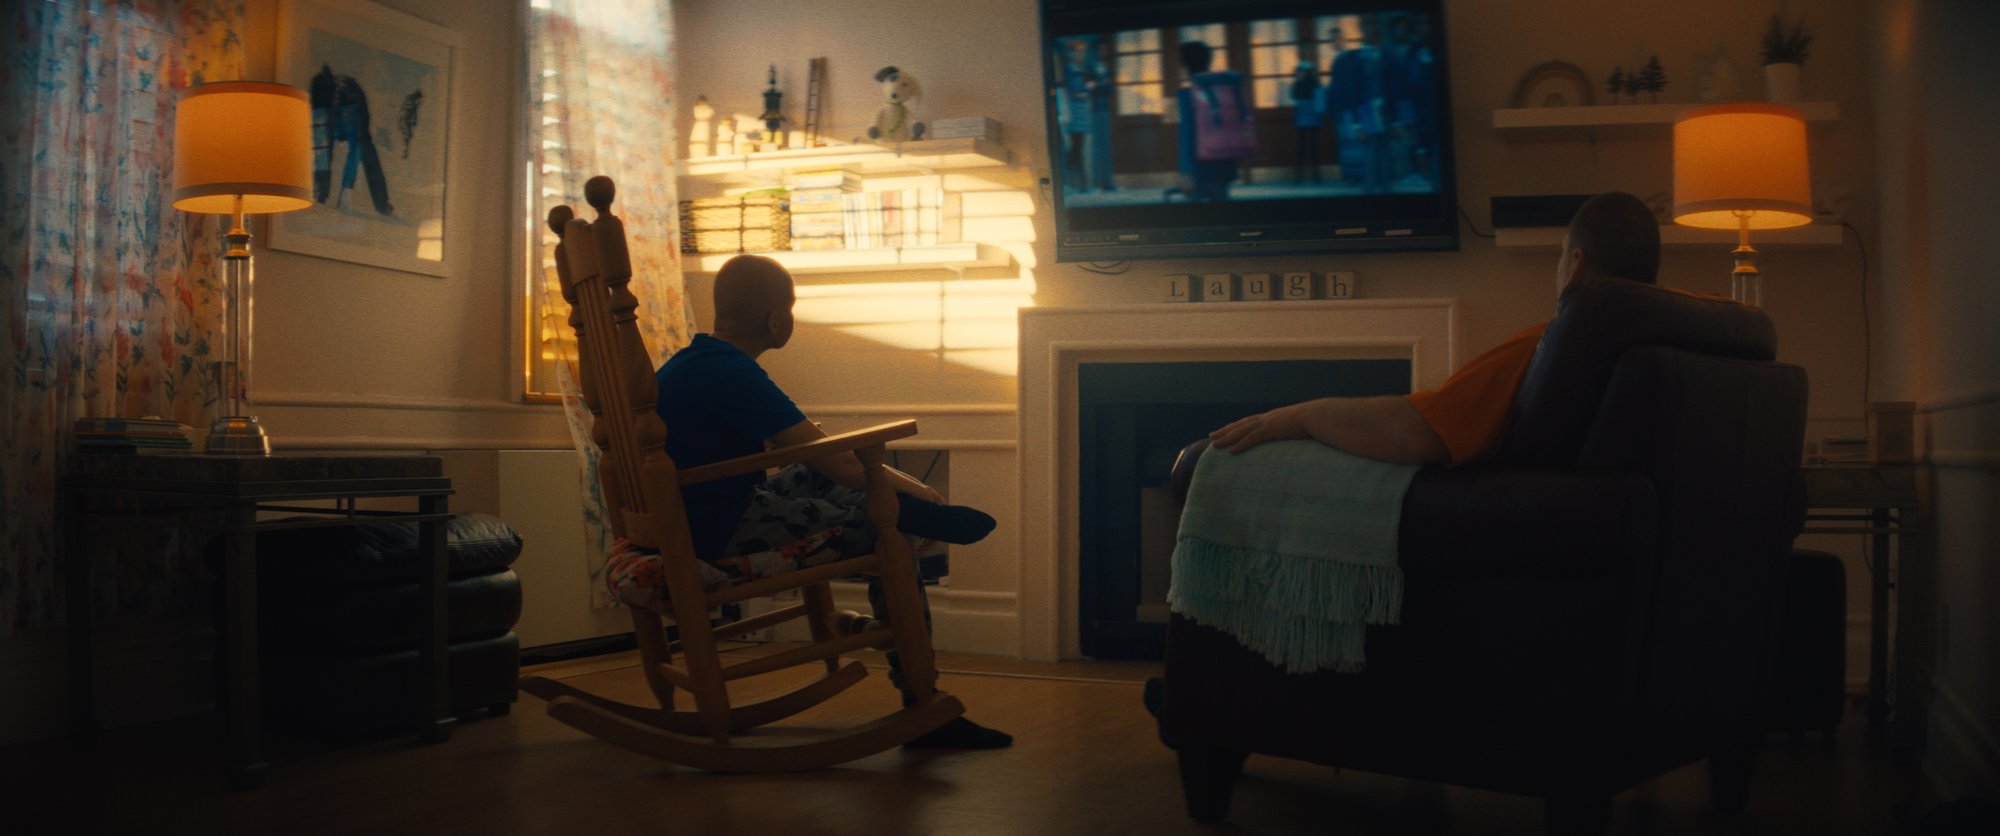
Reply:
x=1303, y=614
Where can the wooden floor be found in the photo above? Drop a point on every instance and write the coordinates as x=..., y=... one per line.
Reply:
x=1085, y=761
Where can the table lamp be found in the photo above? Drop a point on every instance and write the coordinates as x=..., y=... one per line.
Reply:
x=241, y=147
x=1742, y=167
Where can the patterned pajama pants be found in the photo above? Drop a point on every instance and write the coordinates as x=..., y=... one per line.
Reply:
x=798, y=504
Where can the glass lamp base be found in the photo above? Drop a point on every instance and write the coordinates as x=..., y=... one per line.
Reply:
x=237, y=435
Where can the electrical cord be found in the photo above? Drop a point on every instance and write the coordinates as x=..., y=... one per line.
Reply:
x=1867, y=358
x=1867, y=336
x=1470, y=225
x=1107, y=268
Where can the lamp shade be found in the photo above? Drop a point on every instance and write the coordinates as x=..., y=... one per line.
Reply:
x=247, y=138
x=1738, y=161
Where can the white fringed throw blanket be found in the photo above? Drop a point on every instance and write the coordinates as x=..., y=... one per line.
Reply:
x=1291, y=548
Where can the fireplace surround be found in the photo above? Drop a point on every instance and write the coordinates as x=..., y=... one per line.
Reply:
x=1057, y=342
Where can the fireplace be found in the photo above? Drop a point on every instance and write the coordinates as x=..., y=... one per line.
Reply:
x=1368, y=347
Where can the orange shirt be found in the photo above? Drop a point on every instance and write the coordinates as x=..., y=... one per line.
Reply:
x=1469, y=410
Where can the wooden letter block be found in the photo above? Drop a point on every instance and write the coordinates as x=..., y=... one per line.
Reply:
x=1340, y=285
x=1258, y=287
x=1179, y=287
x=1297, y=286
x=1218, y=287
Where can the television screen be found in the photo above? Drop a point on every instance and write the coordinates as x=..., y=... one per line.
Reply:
x=1191, y=128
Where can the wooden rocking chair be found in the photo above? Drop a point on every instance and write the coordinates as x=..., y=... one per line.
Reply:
x=642, y=488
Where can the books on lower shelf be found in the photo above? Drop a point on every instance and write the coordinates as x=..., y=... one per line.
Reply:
x=132, y=436
x=911, y=217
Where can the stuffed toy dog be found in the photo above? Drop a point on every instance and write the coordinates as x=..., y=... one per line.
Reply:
x=894, y=123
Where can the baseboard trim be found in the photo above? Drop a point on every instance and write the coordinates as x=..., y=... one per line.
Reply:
x=300, y=444
x=336, y=401
x=579, y=648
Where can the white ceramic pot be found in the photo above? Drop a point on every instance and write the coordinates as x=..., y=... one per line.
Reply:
x=1781, y=82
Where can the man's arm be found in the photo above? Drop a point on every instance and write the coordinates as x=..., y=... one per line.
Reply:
x=1387, y=428
x=845, y=468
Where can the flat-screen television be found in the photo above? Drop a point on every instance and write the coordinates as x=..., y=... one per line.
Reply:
x=1196, y=128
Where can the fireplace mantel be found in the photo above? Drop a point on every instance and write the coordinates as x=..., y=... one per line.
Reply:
x=1054, y=341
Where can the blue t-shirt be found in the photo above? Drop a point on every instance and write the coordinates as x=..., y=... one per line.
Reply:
x=718, y=404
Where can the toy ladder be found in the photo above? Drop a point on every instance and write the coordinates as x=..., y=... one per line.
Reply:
x=816, y=76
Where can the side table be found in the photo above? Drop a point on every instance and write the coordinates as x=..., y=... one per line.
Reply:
x=1889, y=507
x=229, y=497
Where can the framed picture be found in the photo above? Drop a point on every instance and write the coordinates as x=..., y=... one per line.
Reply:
x=379, y=82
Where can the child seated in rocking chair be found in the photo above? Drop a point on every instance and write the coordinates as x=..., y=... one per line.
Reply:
x=719, y=404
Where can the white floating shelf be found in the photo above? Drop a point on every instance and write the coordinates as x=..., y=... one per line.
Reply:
x=807, y=262
x=908, y=157
x=1683, y=237
x=1531, y=124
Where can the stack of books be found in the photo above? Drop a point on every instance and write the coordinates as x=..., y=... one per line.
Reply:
x=979, y=127
x=132, y=436
x=817, y=211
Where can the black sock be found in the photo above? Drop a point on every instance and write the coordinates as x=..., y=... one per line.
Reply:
x=961, y=733
x=957, y=524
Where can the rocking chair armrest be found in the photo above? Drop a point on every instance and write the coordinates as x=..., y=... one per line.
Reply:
x=840, y=443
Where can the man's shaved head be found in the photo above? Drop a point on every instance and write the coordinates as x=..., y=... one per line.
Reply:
x=748, y=290
x=1618, y=236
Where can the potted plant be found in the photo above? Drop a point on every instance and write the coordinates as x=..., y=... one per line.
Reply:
x=1784, y=51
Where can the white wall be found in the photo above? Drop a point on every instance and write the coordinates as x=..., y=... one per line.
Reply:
x=1936, y=69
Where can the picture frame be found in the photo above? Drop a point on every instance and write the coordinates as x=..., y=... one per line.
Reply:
x=1553, y=84
x=380, y=83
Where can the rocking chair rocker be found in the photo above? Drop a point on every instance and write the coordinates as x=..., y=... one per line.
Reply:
x=642, y=487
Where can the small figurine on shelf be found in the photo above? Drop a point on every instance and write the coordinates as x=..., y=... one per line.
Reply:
x=774, y=115
x=725, y=138
x=701, y=142
x=751, y=136
x=893, y=122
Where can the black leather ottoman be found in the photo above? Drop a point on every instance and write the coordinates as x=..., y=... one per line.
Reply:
x=338, y=610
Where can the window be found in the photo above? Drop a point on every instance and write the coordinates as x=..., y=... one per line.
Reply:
x=598, y=101
x=1141, y=87
x=1274, y=55
x=1331, y=36
x=1216, y=35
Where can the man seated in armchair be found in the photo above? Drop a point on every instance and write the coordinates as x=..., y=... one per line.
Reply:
x=1250, y=559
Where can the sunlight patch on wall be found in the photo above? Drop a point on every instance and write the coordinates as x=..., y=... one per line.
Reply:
x=969, y=319
x=969, y=322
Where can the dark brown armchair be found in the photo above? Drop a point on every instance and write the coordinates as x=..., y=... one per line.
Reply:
x=1592, y=610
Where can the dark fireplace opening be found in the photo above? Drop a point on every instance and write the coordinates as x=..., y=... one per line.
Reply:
x=1133, y=419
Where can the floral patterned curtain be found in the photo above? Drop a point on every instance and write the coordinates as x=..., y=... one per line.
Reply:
x=109, y=297
x=600, y=96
